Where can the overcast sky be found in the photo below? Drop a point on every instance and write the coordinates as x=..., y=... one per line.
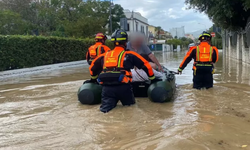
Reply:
x=167, y=14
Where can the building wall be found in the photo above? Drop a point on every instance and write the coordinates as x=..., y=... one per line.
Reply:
x=167, y=48
x=136, y=15
x=152, y=30
x=190, y=36
x=179, y=32
x=136, y=22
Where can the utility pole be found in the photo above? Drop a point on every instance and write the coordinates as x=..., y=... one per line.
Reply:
x=176, y=33
x=110, y=16
x=133, y=20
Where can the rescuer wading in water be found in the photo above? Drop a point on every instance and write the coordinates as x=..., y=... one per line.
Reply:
x=115, y=76
x=98, y=48
x=204, y=56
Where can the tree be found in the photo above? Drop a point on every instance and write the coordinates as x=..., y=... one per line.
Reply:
x=101, y=9
x=158, y=31
x=117, y=13
x=217, y=40
x=11, y=23
x=228, y=14
x=182, y=42
x=38, y=16
x=64, y=17
x=82, y=19
x=174, y=42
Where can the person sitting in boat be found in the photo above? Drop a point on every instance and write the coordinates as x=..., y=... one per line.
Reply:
x=116, y=76
x=141, y=75
x=152, y=64
x=138, y=45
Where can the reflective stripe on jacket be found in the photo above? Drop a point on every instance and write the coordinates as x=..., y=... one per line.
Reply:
x=96, y=50
x=201, y=55
x=114, y=66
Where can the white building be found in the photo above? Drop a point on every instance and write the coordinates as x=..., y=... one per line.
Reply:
x=136, y=22
x=179, y=32
x=163, y=46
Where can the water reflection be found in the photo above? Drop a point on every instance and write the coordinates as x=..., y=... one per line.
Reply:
x=233, y=71
x=172, y=60
x=227, y=70
x=42, y=112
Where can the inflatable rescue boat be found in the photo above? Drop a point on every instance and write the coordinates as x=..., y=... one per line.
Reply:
x=159, y=92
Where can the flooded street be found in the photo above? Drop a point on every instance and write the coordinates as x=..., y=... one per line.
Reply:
x=42, y=112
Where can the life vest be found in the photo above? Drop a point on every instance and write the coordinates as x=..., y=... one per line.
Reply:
x=204, y=53
x=204, y=57
x=113, y=70
x=94, y=51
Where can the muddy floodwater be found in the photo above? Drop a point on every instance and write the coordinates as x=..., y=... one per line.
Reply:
x=41, y=112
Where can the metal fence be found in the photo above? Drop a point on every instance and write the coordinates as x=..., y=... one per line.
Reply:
x=232, y=36
x=237, y=44
x=233, y=39
x=247, y=34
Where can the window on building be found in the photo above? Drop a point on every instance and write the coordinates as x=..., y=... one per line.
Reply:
x=128, y=27
x=136, y=26
x=142, y=29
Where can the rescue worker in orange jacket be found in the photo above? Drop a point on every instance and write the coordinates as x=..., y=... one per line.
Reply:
x=115, y=76
x=98, y=48
x=204, y=56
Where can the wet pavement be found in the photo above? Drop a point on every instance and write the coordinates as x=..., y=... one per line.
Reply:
x=42, y=112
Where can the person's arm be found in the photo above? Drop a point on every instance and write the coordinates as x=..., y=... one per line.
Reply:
x=190, y=54
x=215, y=54
x=151, y=56
x=141, y=63
x=158, y=74
x=88, y=57
x=154, y=59
x=96, y=67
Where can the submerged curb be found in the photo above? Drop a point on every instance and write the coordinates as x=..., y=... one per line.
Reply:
x=39, y=69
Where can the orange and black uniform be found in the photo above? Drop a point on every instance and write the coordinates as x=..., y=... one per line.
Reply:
x=96, y=50
x=115, y=76
x=204, y=56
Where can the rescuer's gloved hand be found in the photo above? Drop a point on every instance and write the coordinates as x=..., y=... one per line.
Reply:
x=179, y=71
x=93, y=81
x=90, y=81
x=154, y=80
x=213, y=71
x=165, y=70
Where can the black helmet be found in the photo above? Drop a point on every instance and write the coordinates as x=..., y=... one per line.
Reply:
x=205, y=36
x=119, y=36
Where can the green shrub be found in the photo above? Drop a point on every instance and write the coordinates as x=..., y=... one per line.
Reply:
x=30, y=51
x=217, y=42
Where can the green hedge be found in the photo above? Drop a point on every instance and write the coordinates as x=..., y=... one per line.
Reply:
x=30, y=51
x=217, y=42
